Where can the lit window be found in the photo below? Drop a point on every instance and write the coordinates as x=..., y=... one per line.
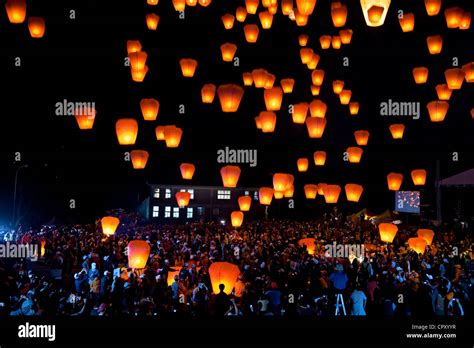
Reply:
x=167, y=212
x=156, y=211
x=200, y=211
x=191, y=192
x=176, y=212
x=223, y=194
x=156, y=194
x=189, y=214
x=247, y=193
x=168, y=193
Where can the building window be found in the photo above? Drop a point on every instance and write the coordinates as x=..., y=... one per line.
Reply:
x=200, y=211
x=168, y=193
x=189, y=214
x=255, y=195
x=167, y=212
x=247, y=193
x=176, y=212
x=223, y=194
x=156, y=211
x=190, y=191
x=156, y=194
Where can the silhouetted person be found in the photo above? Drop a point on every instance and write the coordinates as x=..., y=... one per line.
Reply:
x=222, y=304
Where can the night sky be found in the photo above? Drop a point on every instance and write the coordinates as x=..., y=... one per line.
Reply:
x=82, y=59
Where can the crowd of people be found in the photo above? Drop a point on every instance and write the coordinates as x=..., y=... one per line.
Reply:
x=84, y=273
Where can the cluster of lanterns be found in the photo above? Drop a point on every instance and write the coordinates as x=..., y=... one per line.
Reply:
x=16, y=12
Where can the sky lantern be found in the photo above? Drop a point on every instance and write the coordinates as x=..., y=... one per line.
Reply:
x=248, y=79
x=387, y=232
x=268, y=121
x=313, y=63
x=286, y=7
x=355, y=154
x=138, y=253
x=337, y=86
x=300, y=112
x=309, y=244
x=361, y=137
x=127, y=130
x=353, y=192
x=426, y=234
x=305, y=7
x=443, y=92
x=251, y=33
x=152, y=21
x=338, y=14
x=43, y=248
x=468, y=70
x=230, y=97
x=346, y=36
x=152, y=2
x=315, y=90
x=319, y=158
x=281, y=181
x=303, y=40
x=465, y=21
x=306, y=54
x=435, y=44
x=191, y=2
x=188, y=67
x=109, y=225
x=325, y=41
x=230, y=176
x=321, y=187
x=453, y=17
x=419, y=177
x=310, y=191
x=228, y=52
x=258, y=123
x=417, y=244
x=208, y=93
x=318, y=108
x=139, y=158
x=375, y=11
x=289, y=192
x=287, y=85
x=252, y=6
x=138, y=60
x=397, y=130
x=270, y=81
x=354, y=108
x=85, y=120
x=317, y=76
x=266, y=19
x=420, y=75
x=432, y=7
x=279, y=194
x=133, y=46
x=205, y=3
x=138, y=75
x=16, y=11
x=182, y=198
x=244, y=203
x=265, y=195
x=273, y=98
x=302, y=164
x=223, y=273
x=173, y=271
x=331, y=193
x=36, y=27
x=236, y=218
x=345, y=96
x=149, y=109
x=172, y=136
x=437, y=110
x=187, y=170
x=407, y=22
x=228, y=21
x=336, y=42
x=160, y=132
x=316, y=126
x=454, y=78
x=179, y=5
x=241, y=14
x=300, y=19
x=394, y=181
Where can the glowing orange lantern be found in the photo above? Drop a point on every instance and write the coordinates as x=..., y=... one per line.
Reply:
x=182, y=198
x=230, y=97
x=188, y=67
x=133, y=46
x=236, y=218
x=43, y=248
x=318, y=108
x=152, y=2
x=325, y=41
x=316, y=126
x=152, y=21
x=353, y=192
x=397, y=130
x=387, y=232
x=417, y=244
x=317, y=77
x=310, y=191
x=300, y=19
x=270, y=81
x=300, y=112
x=465, y=21
x=228, y=21
x=306, y=54
x=354, y=108
x=337, y=86
x=338, y=14
x=443, y=92
x=248, y=79
x=375, y=11
x=273, y=98
x=208, y=93
x=268, y=121
x=361, y=137
x=281, y=182
x=287, y=7
x=407, y=22
x=287, y=85
x=266, y=19
x=321, y=187
x=172, y=272
x=251, y=32
x=309, y=244
x=435, y=44
x=468, y=70
x=241, y=14
x=138, y=252
x=127, y=130
x=419, y=177
x=139, y=158
x=149, y=109
x=289, y=192
x=228, y=52
x=394, y=181
x=315, y=90
x=319, y=158
x=355, y=154
x=172, y=136
x=36, y=27
x=345, y=96
x=244, y=203
x=453, y=17
x=230, y=176
x=160, y=132
x=179, y=5
x=205, y=3
x=438, y=110
x=420, y=75
x=252, y=6
x=346, y=36
x=302, y=164
x=187, y=170
x=85, y=118
x=432, y=7
x=16, y=11
x=279, y=194
x=331, y=193
x=138, y=60
x=265, y=195
x=426, y=234
x=303, y=39
x=138, y=75
x=224, y=273
x=109, y=225
x=336, y=42
x=305, y=7
x=313, y=63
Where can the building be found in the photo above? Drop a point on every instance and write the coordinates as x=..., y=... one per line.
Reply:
x=207, y=202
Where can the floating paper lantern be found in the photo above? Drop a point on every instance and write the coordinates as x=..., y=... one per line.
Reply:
x=179, y=5
x=139, y=158
x=310, y=191
x=331, y=193
x=305, y=7
x=241, y=14
x=303, y=40
x=325, y=41
x=300, y=19
x=315, y=126
x=251, y=6
x=345, y=96
x=397, y=130
x=375, y=11
x=432, y=7
x=230, y=176
x=420, y=75
x=188, y=67
x=268, y=121
x=85, y=118
x=468, y=70
x=251, y=33
x=355, y=154
x=437, y=110
x=317, y=77
x=443, y=92
x=361, y=137
x=426, y=234
x=187, y=170
x=265, y=195
x=354, y=108
x=287, y=85
x=321, y=187
x=205, y=3
x=133, y=46
x=453, y=17
x=300, y=112
x=273, y=98
x=309, y=244
x=160, y=132
x=16, y=11
x=289, y=192
x=223, y=273
x=247, y=78
x=138, y=75
x=465, y=21
x=417, y=244
x=394, y=181
x=287, y=7
x=419, y=177
x=281, y=181
x=173, y=136
x=36, y=27
x=152, y=21
x=336, y=42
x=236, y=218
x=228, y=52
x=138, y=252
x=313, y=63
x=353, y=192
x=182, y=198
x=172, y=272
x=346, y=36
x=407, y=22
x=270, y=81
x=306, y=54
x=338, y=14
x=266, y=19
x=150, y=108
x=302, y=164
x=127, y=130
x=228, y=21
x=319, y=158
x=109, y=225
x=387, y=232
x=318, y=108
x=315, y=90
x=244, y=203
x=435, y=44
x=191, y=2
x=230, y=97
x=278, y=194
x=152, y=2
x=138, y=60
x=208, y=93
x=337, y=86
